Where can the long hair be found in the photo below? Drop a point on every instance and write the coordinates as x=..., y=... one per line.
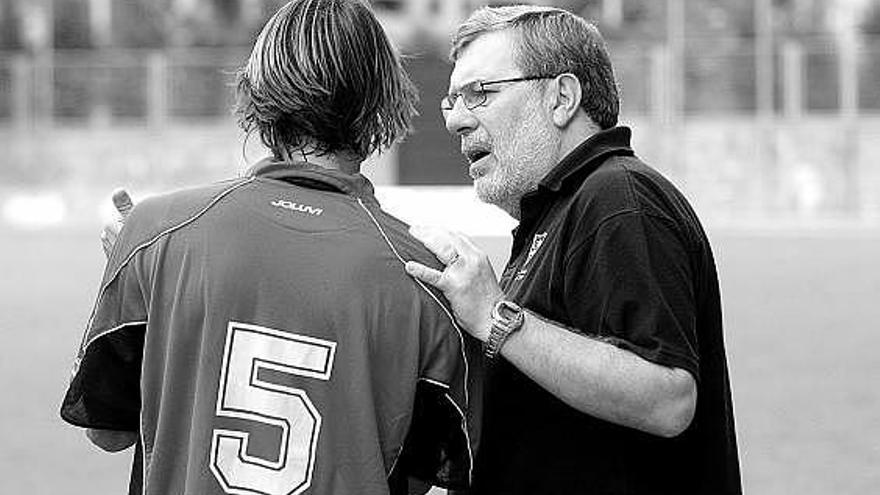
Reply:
x=323, y=74
x=552, y=41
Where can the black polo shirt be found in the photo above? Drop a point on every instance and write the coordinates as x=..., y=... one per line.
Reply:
x=609, y=248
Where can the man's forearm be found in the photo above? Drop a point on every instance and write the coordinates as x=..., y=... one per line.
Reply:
x=594, y=377
x=602, y=380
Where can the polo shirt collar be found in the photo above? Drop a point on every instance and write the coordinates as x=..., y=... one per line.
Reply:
x=316, y=177
x=588, y=155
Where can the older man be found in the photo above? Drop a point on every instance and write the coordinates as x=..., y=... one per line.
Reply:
x=608, y=371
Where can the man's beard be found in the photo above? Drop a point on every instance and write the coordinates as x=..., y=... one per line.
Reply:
x=527, y=153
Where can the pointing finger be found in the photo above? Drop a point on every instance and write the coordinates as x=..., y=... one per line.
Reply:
x=425, y=274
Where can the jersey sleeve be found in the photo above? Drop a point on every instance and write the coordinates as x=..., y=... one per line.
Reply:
x=445, y=426
x=634, y=272
x=442, y=436
x=104, y=390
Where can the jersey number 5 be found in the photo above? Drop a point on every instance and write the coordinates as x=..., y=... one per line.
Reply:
x=252, y=354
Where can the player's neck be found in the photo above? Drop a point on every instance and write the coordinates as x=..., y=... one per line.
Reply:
x=344, y=162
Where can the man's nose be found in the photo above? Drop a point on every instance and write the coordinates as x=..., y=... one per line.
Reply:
x=459, y=120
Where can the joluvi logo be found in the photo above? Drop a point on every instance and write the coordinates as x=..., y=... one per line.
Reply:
x=290, y=205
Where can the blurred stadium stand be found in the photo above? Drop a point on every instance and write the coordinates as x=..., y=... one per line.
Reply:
x=761, y=110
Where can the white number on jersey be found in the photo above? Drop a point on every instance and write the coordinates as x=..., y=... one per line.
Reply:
x=249, y=350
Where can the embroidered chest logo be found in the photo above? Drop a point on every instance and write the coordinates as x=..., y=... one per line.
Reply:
x=537, y=242
x=290, y=205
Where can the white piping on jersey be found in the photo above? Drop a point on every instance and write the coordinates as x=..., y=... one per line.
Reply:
x=145, y=457
x=79, y=357
x=422, y=285
x=445, y=394
x=460, y=337
x=396, y=458
x=442, y=385
x=85, y=344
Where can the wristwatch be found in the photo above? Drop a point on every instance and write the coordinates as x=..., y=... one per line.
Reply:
x=507, y=318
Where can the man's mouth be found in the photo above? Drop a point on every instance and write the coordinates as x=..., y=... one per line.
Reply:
x=474, y=151
x=476, y=154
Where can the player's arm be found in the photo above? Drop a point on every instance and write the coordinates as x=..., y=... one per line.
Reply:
x=111, y=440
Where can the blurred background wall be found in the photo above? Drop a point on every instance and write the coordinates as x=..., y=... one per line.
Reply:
x=761, y=110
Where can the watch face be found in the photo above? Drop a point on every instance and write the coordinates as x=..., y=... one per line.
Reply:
x=507, y=317
x=508, y=314
x=508, y=310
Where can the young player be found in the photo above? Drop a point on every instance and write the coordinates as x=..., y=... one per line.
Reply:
x=260, y=335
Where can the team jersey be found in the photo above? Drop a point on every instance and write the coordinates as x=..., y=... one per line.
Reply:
x=262, y=337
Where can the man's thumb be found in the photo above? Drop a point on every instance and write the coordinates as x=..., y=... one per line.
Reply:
x=122, y=202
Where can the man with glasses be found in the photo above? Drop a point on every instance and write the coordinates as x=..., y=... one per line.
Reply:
x=607, y=369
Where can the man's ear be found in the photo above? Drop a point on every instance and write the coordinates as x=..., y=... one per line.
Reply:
x=567, y=98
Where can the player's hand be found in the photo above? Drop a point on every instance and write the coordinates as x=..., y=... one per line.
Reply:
x=111, y=440
x=123, y=204
x=468, y=280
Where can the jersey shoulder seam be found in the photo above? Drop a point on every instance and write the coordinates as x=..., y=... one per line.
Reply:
x=447, y=311
x=144, y=245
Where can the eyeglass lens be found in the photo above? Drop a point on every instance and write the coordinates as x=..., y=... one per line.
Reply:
x=472, y=94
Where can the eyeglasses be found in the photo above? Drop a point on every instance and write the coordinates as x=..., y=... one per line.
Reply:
x=474, y=94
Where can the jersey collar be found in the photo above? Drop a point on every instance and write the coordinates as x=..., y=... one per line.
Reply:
x=315, y=177
x=576, y=165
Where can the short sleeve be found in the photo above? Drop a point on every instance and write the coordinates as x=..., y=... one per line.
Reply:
x=104, y=391
x=634, y=272
x=443, y=357
x=441, y=440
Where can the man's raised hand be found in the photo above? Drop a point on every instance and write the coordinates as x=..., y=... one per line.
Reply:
x=468, y=280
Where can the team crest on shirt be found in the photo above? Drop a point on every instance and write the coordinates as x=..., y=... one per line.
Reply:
x=537, y=242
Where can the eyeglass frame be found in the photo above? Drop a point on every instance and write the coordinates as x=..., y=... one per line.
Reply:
x=447, y=103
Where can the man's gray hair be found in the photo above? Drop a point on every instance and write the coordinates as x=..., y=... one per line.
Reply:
x=552, y=41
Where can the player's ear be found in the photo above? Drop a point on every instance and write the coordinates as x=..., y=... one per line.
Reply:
x=566, y=94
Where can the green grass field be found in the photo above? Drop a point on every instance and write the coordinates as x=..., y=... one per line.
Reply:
x=801, y=312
